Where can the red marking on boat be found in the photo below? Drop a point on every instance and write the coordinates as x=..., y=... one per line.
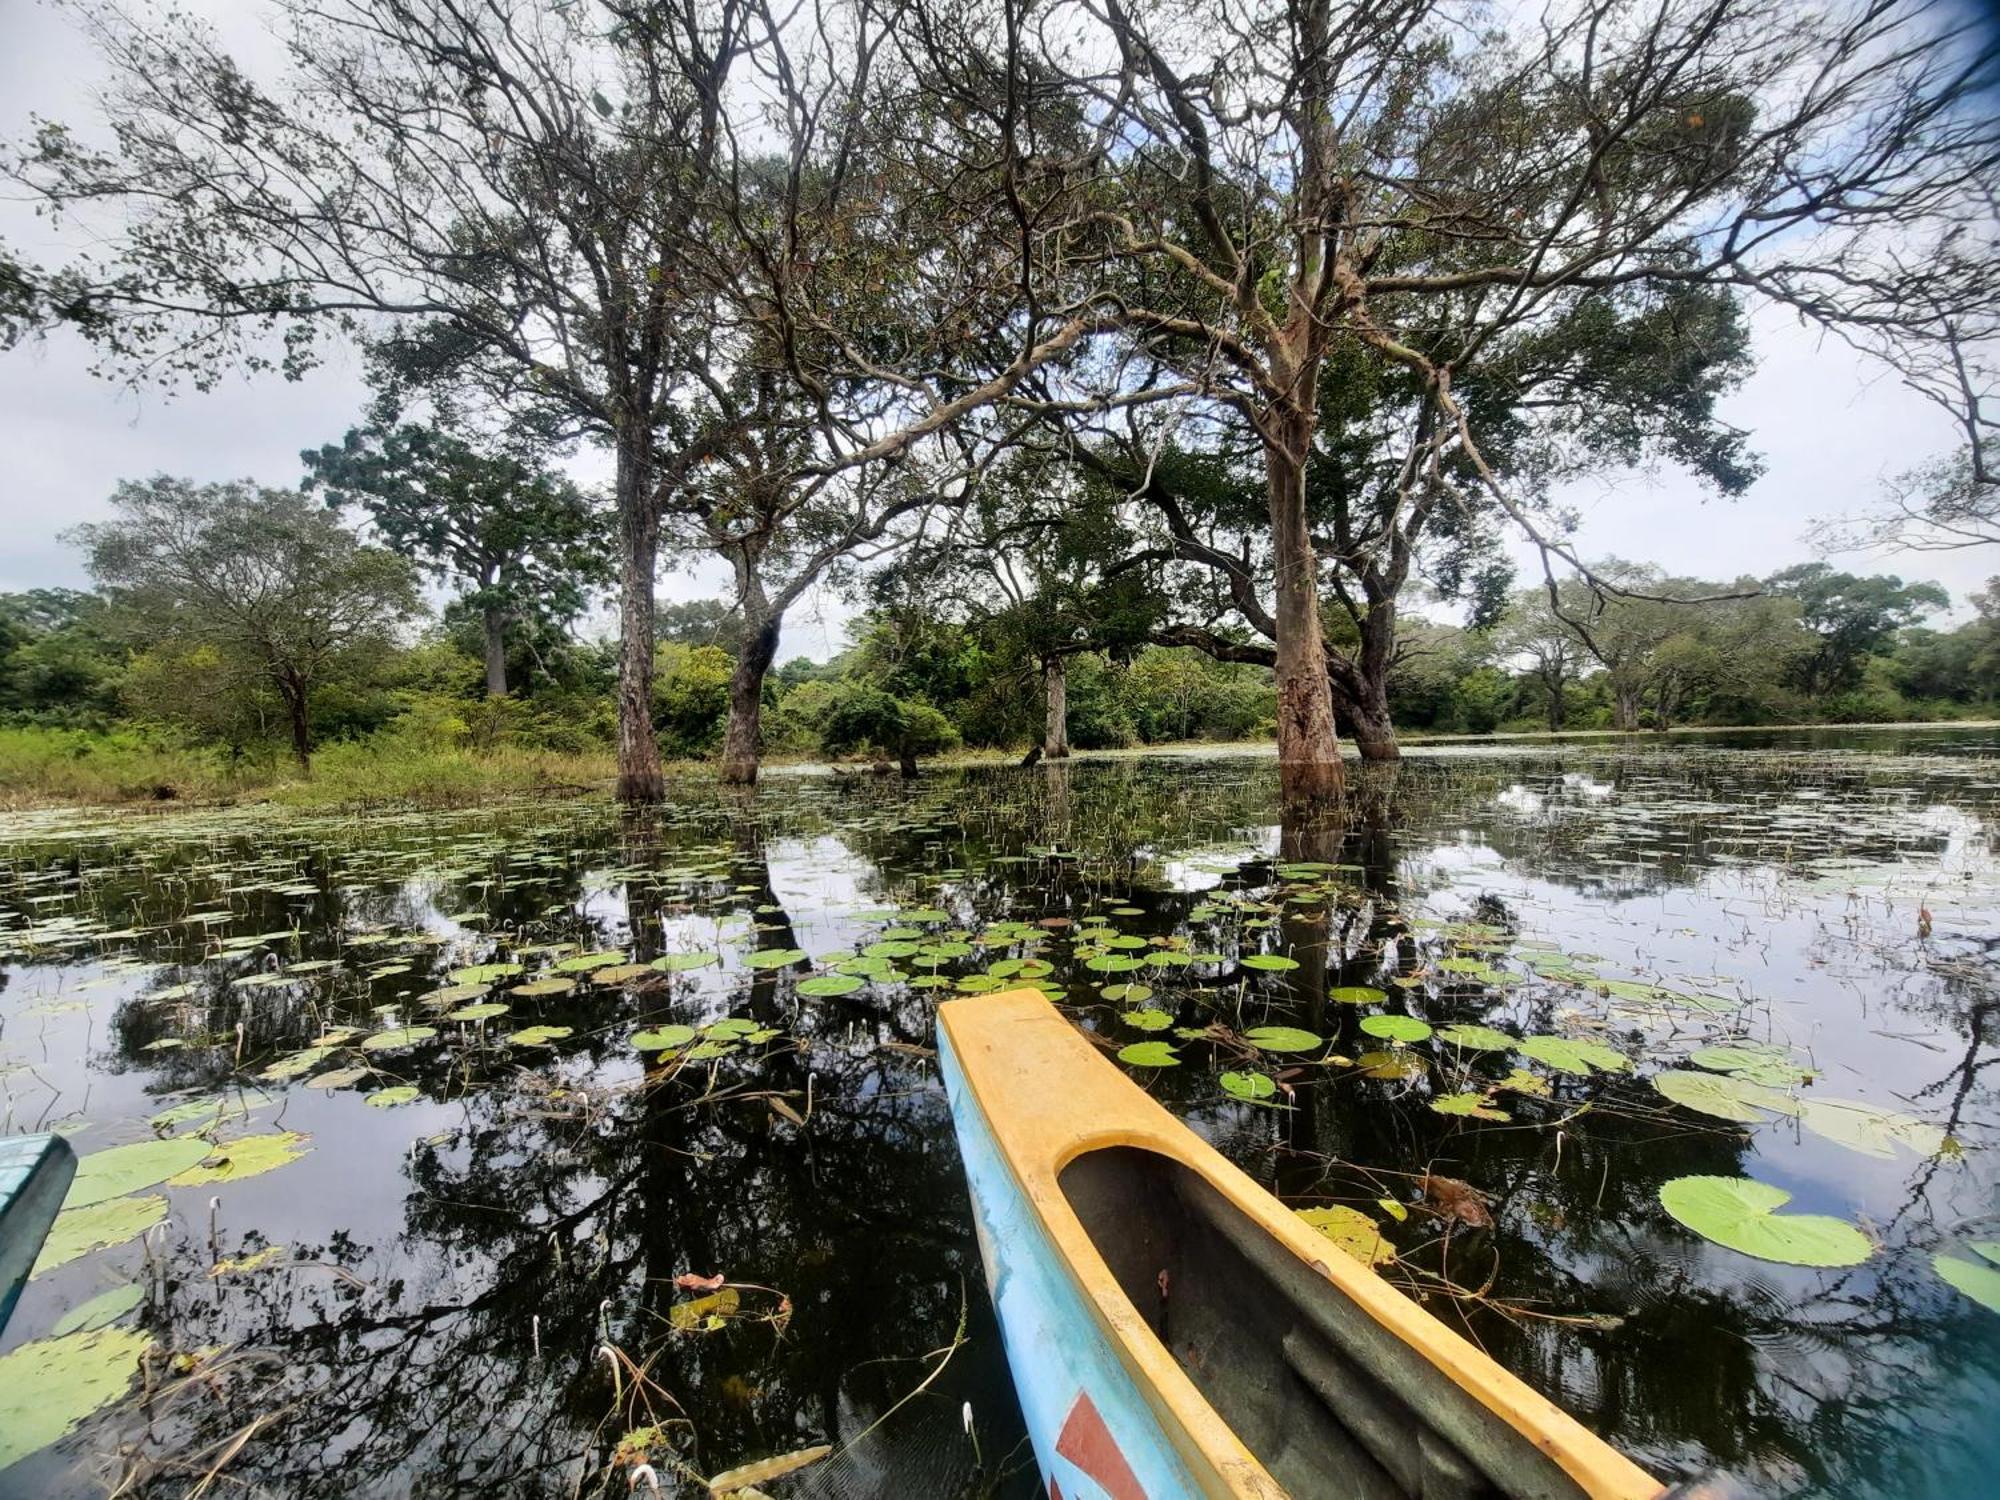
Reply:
x=1088, y=1443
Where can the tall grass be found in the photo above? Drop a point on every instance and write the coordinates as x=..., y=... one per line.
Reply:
x=47, y=765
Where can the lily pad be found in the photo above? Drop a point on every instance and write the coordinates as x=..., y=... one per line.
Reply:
x=831, y=984
x=1149, y=1055
x=620, y=973
x=1979, y=1282
x=538, y=1036
x=1474, y=1105
x=49, y=1387
x=78, y=1231
x=399, y=1036
x=1869, y=1128
x=1147, y=1020
x=1248, y=1085
x=1113, y=963
x=674, y=963
x=1476, y=1038
x=1724, y=1097
x=1572, y=1055
x=103, y=1175
x=1741, y=1214
x=389, y=1098
x=100, y=1311
x=584, y=963
x=486, y=1010
x=484, y=973
x=1760, y=1061
x=1282, y=1039
x=663, y=1038
x=1357, y=994
x=1130, y=994
x=336, y=1078
x=1393, y=1065
x=1396, y=1028
x=1272, y=963
x=246, y=1156
x=540, y=989
x=1353, y=1231
x=774, y=958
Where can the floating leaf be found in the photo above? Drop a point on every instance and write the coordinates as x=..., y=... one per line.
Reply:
x=1572, y=1055
x=1130, y=994
x=1248, y=1085
x=1352, y=1230
x=298, y=1062
x=1274, y=963
x=1476, y=1038
x=1396, y=1028
x=620, y=974
x=1392, y=1065
x=336, y=1078
x=1724, y=1097
x=257, y=1260
x=124, y=1169
x=1149, y=1055
x=1979, y=1282
x=389, y=1098
x=246, y=1156
x=1760, y=1061
x=1113, y=963
x=538, y=1036
x=831, y=984
x=1282, y=1039
x=49, y=1387
x=774, y=958
x=705, y=1312
x=663, y=1038
x=1475, y=1105
x=484, y=1011
x=540, y=989
x=1868, y=1128
x=484, y=973
x=78, y=1231
x=452, y=994
x=400, y=1036
x=100, y=1311
x=1521, y=1081
x=1147, y=1020
x=583, y=963
x=1740, y=1214
x=674, y=963
x=1356, y=994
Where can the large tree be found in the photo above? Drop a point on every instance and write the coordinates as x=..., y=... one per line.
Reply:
x=1851, y=617
x=524, y=542
x=262, y=576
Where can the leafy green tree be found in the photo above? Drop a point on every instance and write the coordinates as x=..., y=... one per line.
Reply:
x=260, y=577
x=695, y=622
x=864, y=716
x=524, y=543
x=1853, y=618
x=691, y=696
x=56, y=662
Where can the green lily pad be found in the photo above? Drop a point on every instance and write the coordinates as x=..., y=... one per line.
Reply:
x=246, y=1156
x=1357, y=994
x=538, y=1036
x=1474, y=1105
x=1476, y=1038
x=1571, y=1055
x=584, y=963
x=616, y=974
x=775, y=958
x=1113, y=963
x=831, y=984
x=484, y=973
x=1741, y=1214
x=1723, y=1096
x=1248, y=1085
x=336, y=1078
x=100, y=1311
x=1272, y=963
x=1979, y=1282
x=663, y=1038
x=674, y=963
x=1759, y=1061
x=1396, y=1028
x=1399, y=1064
x=1869, y=1128
x=539, y=989
x=1129, y=994
x=486, y=1010
x=124, y=1169
x=49, y=1387
x=1282, y=1039
x=1353, y=1231
x=400, y=1036
x=389, y=1098
x=1147, y=1020
x=78, y=1231
x=1149, y=1055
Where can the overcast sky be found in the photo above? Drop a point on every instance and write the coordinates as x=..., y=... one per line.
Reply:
x=1831, y=429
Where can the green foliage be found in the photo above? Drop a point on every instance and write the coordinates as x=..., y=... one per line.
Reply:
x=690, y=697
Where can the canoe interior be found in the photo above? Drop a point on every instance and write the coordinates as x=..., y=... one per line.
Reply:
x=1329, y=1401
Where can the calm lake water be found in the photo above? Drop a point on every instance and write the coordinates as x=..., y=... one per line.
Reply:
x=430, y=1189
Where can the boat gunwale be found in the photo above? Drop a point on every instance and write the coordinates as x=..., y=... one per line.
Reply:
x=1132, y=1118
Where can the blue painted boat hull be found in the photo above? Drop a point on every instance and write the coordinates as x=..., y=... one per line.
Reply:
x=35, y=1173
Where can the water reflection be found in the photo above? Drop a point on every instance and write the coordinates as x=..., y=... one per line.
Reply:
x=479, y=1289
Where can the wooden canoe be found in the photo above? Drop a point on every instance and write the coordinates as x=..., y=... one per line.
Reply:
x=35, y=1171
x=1174, y=1330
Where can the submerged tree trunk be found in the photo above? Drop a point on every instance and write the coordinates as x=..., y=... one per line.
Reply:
x=906, y=759
x=639, y=778
x=1624, y=706
x=1361, y=686
x=494, y=621
x=298, y=710
x=742, y=746
x=1055, y=723
x=1309, y=769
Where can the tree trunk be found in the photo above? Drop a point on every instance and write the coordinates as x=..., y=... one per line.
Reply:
x=494, y=620
x=906, y=759
x=1055, y=723
x=742, y=746
x=298, y=708
x=1309, y=769
x=1367, y=708
x=1624, y=707
x=1557, y=711
x=639, y=778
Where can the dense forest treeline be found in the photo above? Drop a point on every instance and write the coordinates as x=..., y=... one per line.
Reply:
x=249, y=628
x=1063, y=338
